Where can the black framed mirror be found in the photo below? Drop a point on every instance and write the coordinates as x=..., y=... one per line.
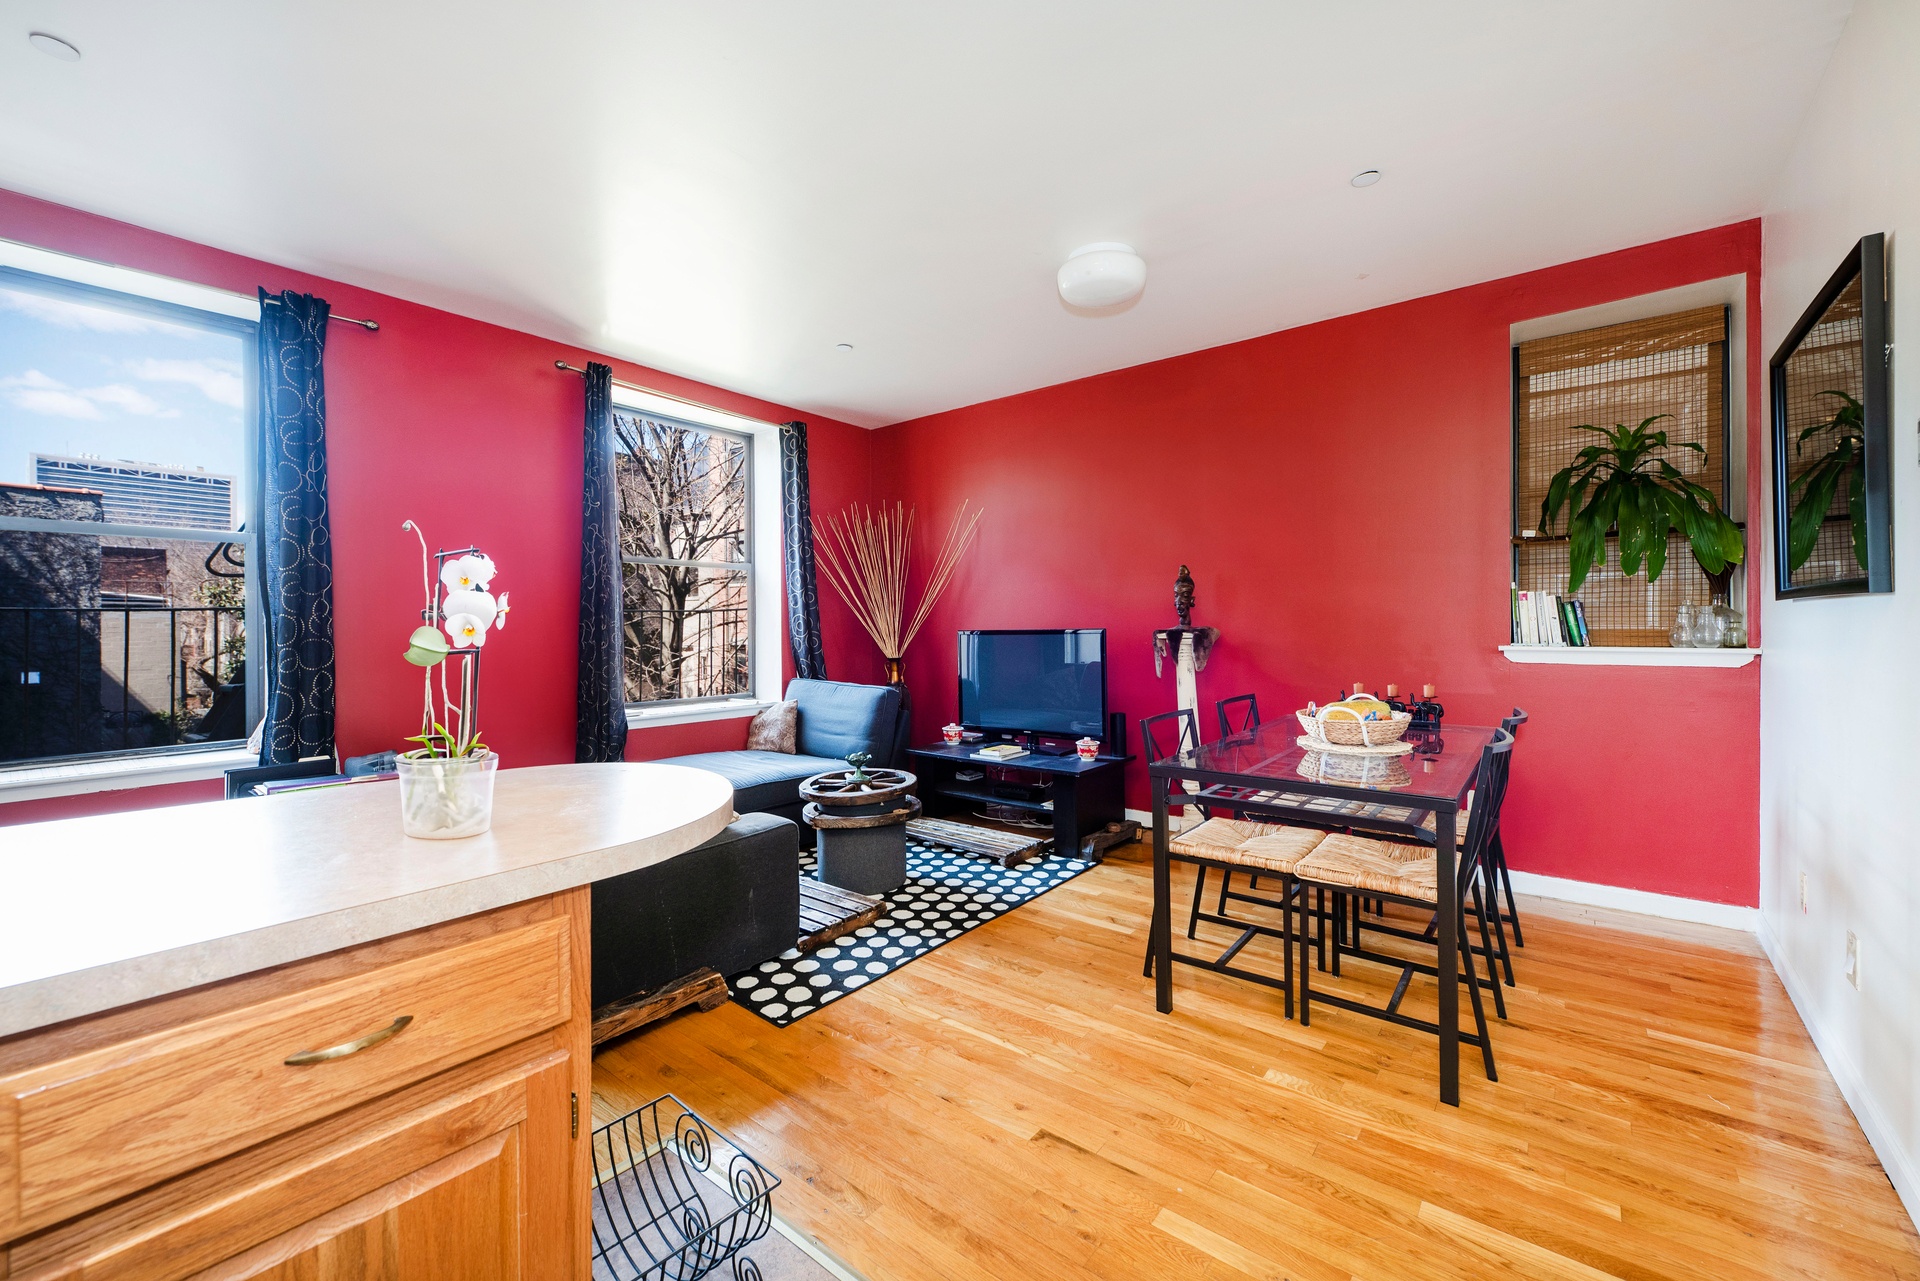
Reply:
x=1832, y=464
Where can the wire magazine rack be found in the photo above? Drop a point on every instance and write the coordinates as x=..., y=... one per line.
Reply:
x=673, y=1198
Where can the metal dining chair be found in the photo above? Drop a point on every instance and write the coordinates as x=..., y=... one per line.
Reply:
x=1351, y=866
x=1493, y=872
x=1497, y=861
x=1238, y=715
x=1228, y=843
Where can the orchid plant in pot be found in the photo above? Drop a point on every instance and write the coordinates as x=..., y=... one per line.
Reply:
x=446, y=783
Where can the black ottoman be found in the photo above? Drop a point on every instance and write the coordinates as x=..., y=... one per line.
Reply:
x=727, y=905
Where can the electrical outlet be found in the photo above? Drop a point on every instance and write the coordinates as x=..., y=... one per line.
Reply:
x=1853, y=959
x=1803, y=891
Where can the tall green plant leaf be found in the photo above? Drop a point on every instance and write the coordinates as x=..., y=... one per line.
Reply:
x=1813, y=490
x=1627, y=485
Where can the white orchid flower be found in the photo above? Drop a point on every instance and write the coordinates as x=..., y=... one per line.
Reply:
x=476, y=603
x=464, y=573
x=500, y=617
x=465, y=630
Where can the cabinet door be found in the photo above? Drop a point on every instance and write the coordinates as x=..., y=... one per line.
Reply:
x=456, y=1220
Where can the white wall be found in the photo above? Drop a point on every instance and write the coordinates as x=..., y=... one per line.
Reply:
x=1840, y=680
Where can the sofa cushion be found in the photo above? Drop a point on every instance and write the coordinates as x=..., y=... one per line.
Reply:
x=775, y=729
x=837, y=719
x=761, y=780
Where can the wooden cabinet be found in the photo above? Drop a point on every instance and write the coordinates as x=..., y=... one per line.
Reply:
x=175, y=1140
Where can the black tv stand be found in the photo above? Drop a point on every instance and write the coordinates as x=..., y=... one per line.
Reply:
x=1082, y=797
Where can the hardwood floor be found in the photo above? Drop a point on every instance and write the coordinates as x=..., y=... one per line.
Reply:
x=1011, y=1106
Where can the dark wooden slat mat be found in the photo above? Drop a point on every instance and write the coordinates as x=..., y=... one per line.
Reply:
x=1008, y=849
x=827, y=912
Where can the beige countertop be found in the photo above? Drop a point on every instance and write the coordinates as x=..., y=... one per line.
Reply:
x=101, y=912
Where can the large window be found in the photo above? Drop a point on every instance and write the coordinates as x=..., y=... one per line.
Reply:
x=1675, y=364
x=686, y=539
x=125, y=553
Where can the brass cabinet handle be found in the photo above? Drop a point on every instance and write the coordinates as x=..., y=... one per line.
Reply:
x=345, y=1048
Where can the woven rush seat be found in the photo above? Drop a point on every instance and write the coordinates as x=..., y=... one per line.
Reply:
x=1372, y=867
x=1262, y=847
x=1459, y=824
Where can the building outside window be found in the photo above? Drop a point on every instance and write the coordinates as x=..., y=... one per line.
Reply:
x=125, y=553
x=686, y=537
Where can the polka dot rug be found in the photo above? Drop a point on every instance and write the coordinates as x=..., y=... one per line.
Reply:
x=947, y=893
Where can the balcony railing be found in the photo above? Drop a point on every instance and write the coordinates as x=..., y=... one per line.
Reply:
x=712, y=654
x=83, y=679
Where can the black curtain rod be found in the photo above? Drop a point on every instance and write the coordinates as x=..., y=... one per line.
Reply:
x=667, y=395
x=370, y=325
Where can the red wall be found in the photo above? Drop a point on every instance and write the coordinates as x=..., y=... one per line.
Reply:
x=1245, y=462
x=1289, y=472
x=467, y=428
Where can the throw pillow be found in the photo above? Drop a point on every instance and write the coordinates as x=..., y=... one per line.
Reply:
x=775, y=729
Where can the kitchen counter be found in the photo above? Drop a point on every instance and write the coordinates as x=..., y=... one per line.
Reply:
x=106, y=911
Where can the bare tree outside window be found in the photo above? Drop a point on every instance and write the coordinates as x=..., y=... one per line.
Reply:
x=684, y=538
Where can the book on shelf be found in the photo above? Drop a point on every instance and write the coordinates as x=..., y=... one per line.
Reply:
x=1548, y=619
x=1000, y=752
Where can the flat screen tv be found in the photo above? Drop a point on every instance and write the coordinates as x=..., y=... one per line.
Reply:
x=1039, y=682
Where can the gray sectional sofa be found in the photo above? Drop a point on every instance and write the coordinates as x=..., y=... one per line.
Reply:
x=836, y=719
x=735, y=901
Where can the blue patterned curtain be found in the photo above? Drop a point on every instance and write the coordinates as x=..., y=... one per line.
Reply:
x=803, y=588
x=291, y=521
x=600, y=728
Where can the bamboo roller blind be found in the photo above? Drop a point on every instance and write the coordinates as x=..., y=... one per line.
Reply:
x=1673, y=364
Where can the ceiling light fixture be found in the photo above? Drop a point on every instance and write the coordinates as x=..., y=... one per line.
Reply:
x=53, y=46
x=1365, y=178
x=845, y=346
x=1101, y=275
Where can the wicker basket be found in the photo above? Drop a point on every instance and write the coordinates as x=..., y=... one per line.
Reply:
x=1367, y=771
x=1356, y=733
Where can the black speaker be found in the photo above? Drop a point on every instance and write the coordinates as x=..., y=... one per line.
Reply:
x=1117, y=734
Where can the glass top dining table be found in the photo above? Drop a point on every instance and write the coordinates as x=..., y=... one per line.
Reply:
x=1267, y=775
x=1270, y=758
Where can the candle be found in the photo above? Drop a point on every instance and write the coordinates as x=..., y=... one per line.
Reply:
x=1359, y=689
x=1392, y=689
x=1426, y=691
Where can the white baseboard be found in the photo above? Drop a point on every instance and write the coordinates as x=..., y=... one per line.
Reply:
x=1176, y=822
x=1698, y=911
x=1881, y=1136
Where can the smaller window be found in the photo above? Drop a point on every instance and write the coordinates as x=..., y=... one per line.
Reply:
x=686, y=539
x=125, y=565
x=1676, y=365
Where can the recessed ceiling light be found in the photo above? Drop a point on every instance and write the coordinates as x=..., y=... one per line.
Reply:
x=845, y=346
x=53, y=46
x=1101, y=275
x=1365, y=178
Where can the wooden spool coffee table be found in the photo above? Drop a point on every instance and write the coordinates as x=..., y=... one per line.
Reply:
x=860, y=830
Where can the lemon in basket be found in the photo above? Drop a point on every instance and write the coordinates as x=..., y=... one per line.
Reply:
x=1356, y=709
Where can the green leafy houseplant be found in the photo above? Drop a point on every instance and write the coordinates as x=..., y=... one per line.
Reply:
x=1812, y=491
x=1627, y=484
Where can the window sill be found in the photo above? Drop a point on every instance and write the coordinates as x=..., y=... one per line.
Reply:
x=37, y=782
x=726, y=710
x=1628, y=656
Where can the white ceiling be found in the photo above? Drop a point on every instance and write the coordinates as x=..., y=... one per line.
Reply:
x=727, y=190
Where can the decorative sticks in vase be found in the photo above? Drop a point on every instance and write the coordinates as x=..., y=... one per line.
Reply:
x=866, y=556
